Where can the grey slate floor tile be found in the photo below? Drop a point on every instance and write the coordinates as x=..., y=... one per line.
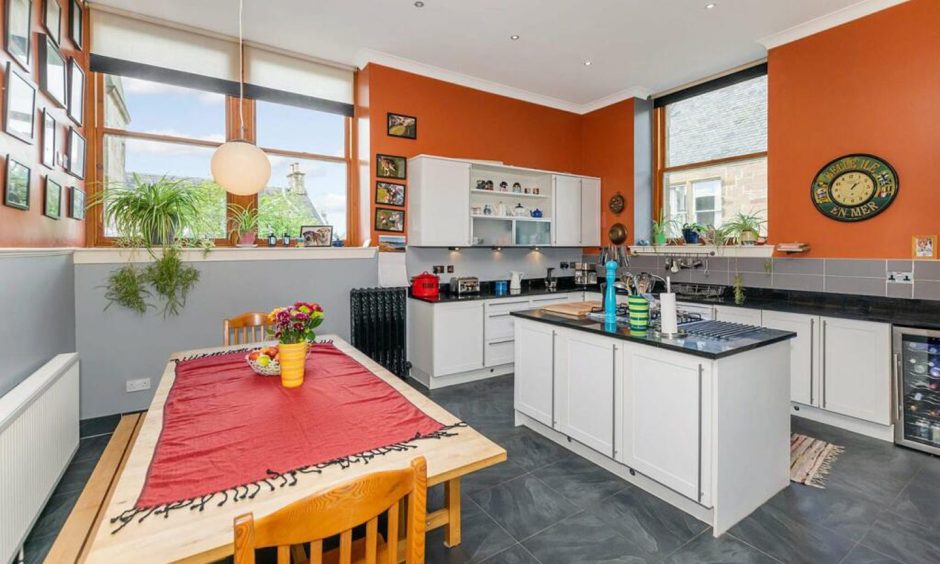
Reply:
x=706, y=549
x=585, y=539
x=583, y=483
x=480, y=538
x=911, y=541
x=516, y=554
x=524, y=506
x=863, y=555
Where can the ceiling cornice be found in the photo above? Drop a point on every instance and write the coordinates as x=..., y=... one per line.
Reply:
x=367, y=56
x=822, y=23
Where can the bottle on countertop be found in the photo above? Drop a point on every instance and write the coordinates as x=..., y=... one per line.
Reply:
x=272, y=240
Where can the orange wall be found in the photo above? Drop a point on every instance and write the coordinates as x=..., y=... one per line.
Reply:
x=869, y=86
x=607, y=151
x=30, y=228
x=455, y=121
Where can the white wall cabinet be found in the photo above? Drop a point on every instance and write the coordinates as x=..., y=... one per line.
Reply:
x=804, y=363
x=856, y=368
x=438, y=200
x=743, y=315
x=568, y=211
x=590, y=212
x=664, y=407
x=535, y=373
x=586, y=369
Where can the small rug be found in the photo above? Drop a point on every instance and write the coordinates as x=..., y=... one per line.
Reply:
x=811, y=459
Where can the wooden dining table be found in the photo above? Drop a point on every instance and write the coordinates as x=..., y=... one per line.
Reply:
x=206, y=536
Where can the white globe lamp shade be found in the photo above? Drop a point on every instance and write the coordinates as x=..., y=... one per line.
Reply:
x=241, y=168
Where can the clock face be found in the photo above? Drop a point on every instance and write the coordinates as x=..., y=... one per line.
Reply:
x=854, y=188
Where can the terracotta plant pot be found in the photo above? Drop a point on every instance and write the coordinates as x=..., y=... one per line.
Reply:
x=247, y=239
x=293, y=359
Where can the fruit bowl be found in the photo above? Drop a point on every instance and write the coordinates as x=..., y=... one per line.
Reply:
x=264, y=362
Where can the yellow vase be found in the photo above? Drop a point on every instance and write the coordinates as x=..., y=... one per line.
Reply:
x=293, y=358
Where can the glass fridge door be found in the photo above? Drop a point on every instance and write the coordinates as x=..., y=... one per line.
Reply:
x=918, y=358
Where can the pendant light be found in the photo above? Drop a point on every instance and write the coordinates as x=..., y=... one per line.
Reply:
x=240, y=166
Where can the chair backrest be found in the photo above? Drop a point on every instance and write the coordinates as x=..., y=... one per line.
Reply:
x=248, y=327
x=337, y=512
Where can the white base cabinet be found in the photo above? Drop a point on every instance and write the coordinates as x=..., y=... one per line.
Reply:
x=803, y=360
x=586, y=371
x=535, y=373
x=856, y=369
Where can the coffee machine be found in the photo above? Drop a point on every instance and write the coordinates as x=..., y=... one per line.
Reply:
x=585, y=274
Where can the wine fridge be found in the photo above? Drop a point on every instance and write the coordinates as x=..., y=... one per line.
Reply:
x=917, y=372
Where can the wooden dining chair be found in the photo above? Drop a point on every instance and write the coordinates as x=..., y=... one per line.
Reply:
x=248, y=327
x=339, y=510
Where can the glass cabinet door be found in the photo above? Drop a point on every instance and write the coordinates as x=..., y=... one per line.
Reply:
x=530, y=233
x=919, y=371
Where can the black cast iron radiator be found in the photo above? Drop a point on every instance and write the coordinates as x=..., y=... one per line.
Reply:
x=378, y=326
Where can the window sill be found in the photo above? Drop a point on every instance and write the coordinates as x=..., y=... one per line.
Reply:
x=112, y=255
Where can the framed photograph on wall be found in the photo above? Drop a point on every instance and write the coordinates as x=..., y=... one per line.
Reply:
x=52, y=206
x=76, y=203
x=19, y=22
x=76, y=21
x=390, y=166
x=48, y=139
x=317, y=235
x=924, y=246
x=402, y=126
x=52, y=20
x=16, y=194
x=52, y=71
x=19, y=106
x=75, y=163
x=76, y=92
x=390, y=220
x=389, y=193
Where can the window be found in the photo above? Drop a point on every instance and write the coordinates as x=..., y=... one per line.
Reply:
x=712, y=152
x=309, y=168
x=154, y=130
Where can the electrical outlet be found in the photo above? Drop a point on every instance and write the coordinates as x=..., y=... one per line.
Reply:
x=437, y=269
x=450, y=269
x=563, y=265
x=901, y=277
x=137, y=385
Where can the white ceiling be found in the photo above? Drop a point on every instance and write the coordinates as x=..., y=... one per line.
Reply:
x=635, y=46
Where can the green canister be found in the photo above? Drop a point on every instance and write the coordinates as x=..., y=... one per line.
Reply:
x=639, y=309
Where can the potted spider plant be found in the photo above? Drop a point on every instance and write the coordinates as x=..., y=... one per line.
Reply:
x=244, y=222
x=745, y=227
x=661, y=228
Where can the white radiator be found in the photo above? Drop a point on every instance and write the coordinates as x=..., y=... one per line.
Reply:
x=38, y=436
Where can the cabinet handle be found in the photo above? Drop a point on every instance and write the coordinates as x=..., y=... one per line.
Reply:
x=699, y=474
x=492, y=315
x=501, y=341
x=897, y=389
x=812, y=361
x=613, y=402
x=554, y=421
x=565, y=299
x=514, y=302
x=823, y=363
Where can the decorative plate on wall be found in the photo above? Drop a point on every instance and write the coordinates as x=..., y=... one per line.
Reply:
x=616, y=203
x=854, y=187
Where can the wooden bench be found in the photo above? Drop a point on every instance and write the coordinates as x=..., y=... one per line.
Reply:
x=74, y=539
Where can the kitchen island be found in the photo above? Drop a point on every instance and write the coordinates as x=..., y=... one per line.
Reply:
x=702, y=423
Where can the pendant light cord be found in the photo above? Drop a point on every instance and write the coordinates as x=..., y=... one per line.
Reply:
x=241, y=69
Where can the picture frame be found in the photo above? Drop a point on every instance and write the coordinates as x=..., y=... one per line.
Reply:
x=76, y=203
x=52, y=20
x=52, y=201
x=391, y=166
x=76, y=24
x=317, y=235
x=75, y=161
x=47, y=154
x=18, y=31
x=924, y=246
x=19, y=105
x=392, y=221
x=390, y=193
x=400, y=125
x=53, y=76
x=18, y=177
x=76, y=93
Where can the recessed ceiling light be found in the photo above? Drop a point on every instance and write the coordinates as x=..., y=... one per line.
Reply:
x=514, y=37
x=587, y=63
x=419, y=4
x=711, y=6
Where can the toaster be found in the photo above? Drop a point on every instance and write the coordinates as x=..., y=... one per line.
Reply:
x=464, y=285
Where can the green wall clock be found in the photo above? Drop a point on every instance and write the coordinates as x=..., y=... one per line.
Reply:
x=854, y=187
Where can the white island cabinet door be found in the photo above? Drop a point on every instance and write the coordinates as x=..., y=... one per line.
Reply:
x=856, y=368
x=591, y=212
x=743, y=315
x=664, y=406
x=567, y=209
x=586, y=367
x=803, y=367
x=439, y=202
x=458, y=337
x=535, y=370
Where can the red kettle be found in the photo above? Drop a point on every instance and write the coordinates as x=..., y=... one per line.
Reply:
x=425, y=285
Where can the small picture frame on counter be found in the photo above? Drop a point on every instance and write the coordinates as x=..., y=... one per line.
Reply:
x=924, y=246
x=316, y=235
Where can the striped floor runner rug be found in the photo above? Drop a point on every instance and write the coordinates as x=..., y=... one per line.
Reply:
x=811, y=459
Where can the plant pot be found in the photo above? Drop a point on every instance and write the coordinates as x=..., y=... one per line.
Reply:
x=247, y=239
x=691, y=236
x=293, y=359
x=659, y=239
x=748, y=237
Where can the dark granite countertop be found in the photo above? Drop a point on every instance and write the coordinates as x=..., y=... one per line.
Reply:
x=530, y=287
x=905, y=312
x=696, y=346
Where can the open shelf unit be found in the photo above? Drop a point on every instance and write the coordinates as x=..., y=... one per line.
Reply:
x=496, y=216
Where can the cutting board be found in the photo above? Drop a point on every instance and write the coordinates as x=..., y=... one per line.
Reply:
x=573, y=309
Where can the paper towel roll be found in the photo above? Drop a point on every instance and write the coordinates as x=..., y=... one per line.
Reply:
x=667, y=313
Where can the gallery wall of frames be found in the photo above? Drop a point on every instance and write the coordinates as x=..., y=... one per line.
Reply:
x=43, y=112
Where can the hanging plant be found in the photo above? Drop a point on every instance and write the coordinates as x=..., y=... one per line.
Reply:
x=172, y=280
x=127, y=287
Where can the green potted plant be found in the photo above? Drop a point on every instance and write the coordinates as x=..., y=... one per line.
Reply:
x=153, y=211
x=691, y=233
x=661, y=228
x=745, y=228
x=244, y=224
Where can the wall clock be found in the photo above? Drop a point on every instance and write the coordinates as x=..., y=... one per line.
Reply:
x=854, y=187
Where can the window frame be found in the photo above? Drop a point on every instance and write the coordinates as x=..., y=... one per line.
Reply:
x=95, y=90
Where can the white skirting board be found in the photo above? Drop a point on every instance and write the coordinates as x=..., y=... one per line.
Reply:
x=38, y=437
x=434, y=383
x=860, y=426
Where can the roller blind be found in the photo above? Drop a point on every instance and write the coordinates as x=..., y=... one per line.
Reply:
x=278, y=77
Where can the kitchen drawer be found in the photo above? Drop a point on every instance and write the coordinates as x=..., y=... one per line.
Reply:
x=499, y=352
x=506, y=305
x=542, y=301
x=498, y=324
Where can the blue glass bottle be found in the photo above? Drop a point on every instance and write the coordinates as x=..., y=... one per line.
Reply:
x=610, y=294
